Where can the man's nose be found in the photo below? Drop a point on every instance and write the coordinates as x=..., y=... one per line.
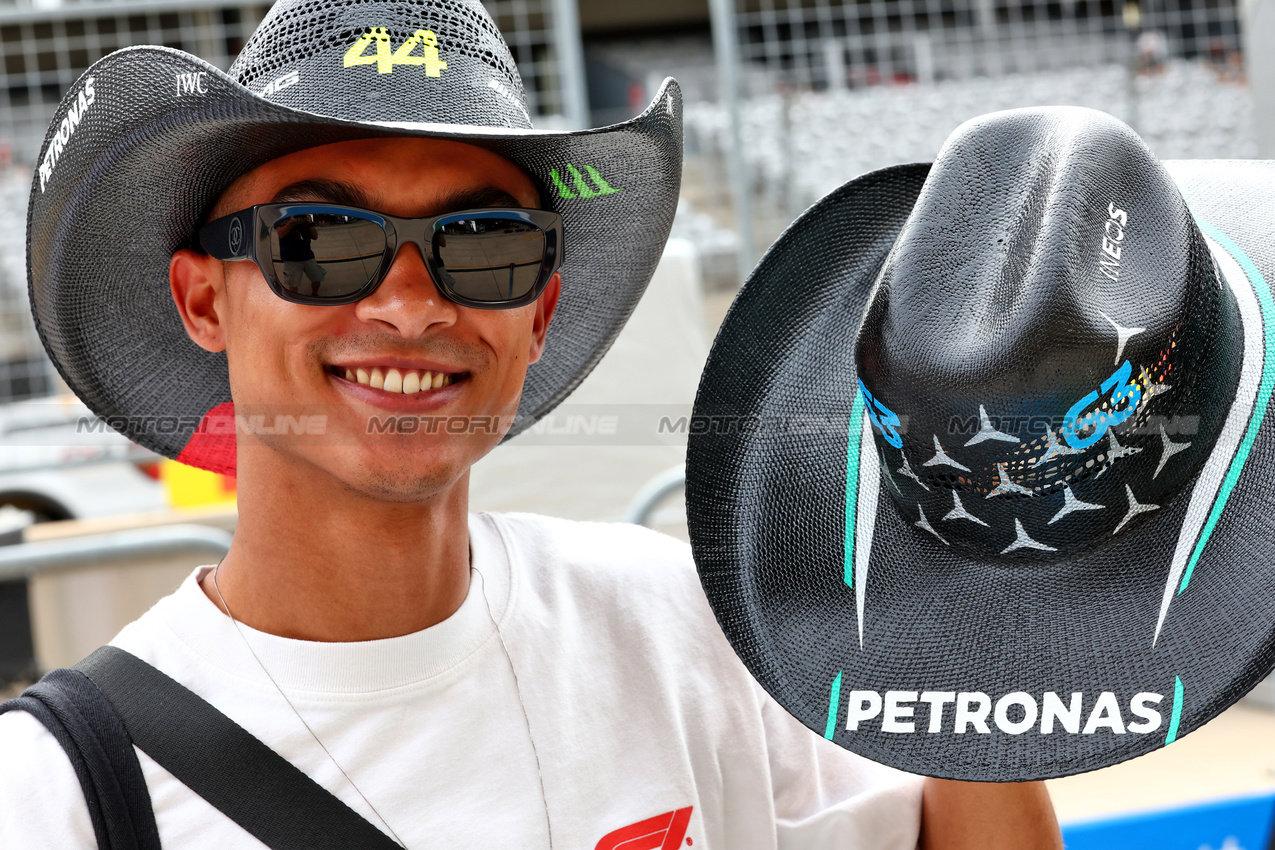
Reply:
x=407, y=299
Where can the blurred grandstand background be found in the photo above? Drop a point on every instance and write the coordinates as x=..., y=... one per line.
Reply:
x=829, y=89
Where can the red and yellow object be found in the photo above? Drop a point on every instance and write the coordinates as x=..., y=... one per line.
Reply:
x=188, y=486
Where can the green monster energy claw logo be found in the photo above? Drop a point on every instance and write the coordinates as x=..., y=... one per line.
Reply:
x=579, y=187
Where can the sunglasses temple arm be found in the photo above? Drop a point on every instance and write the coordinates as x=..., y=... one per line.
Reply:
x=557, y=247
x=222, y=240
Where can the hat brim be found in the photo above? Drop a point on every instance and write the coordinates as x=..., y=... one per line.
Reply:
x=825, y=618
x=143, y=163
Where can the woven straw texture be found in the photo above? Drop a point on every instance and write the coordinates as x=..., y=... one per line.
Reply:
x=149, y=137
x=872, y=622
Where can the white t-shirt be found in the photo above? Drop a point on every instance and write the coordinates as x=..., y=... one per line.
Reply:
x=632, y=701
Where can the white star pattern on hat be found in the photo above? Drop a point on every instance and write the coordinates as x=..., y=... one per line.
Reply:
x=986, y=431
x=941, y=457
x=959, y=512
x=1056, y=448
x=1071, y=504
x=1007, y=486
x=1123, y=335
x=906, y=472
x=1023, y=540
x=924, y=523
x=1116, y=452
x=1170, y=449
x=1135, y=508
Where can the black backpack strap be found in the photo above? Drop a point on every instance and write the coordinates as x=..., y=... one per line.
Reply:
x=83, y=721
x=220, y=761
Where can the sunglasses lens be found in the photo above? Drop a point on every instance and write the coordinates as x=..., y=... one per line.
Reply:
x=489, y=259
x=326, y=255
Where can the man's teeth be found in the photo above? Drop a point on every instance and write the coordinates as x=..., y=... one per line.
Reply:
x=399, y=381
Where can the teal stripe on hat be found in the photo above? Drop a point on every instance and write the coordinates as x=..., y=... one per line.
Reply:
x=1263, y=291
x=854, y=437
x=1177, y=712
x=834, y=708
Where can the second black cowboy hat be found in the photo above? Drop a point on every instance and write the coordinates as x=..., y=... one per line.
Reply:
x=149, y=137
x=980, y=477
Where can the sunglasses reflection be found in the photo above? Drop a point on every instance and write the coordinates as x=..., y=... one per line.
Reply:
x=296, y=256
x=490, y=259
x=484, y=259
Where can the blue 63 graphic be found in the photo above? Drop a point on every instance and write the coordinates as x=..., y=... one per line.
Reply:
x=886, y=420
x=1125, y=398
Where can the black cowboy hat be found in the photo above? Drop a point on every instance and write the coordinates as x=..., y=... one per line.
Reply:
x=149, y=137
x=979, y=476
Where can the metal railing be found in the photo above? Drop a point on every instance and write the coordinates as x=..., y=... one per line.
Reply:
x=21, y=562
x=26, y=560
x=659, y=488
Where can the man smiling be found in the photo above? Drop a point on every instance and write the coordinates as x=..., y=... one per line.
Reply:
x=455, y=680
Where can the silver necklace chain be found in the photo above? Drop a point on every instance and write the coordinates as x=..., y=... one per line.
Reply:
x=535, y=753
x=517, y=690
x=328, y=752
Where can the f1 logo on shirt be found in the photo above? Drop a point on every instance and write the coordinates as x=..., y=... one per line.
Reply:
x=662, y=832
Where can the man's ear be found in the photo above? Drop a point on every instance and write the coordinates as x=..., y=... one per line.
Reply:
x=198, y=283
x=545, y=306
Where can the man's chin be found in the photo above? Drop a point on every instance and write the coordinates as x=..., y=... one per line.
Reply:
x=398, y=485
x=399, y=476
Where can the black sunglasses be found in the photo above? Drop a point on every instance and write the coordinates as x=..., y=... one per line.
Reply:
x=330, y=254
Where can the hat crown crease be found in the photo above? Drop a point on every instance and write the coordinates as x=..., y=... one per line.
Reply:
x=1047, y=328
x=431, y=61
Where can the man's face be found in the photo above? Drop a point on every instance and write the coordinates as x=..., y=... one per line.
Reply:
x=293, y=359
